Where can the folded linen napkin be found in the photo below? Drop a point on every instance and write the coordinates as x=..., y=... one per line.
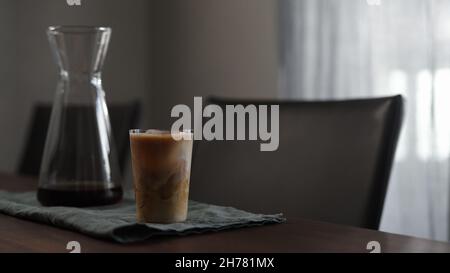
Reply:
x=118, y=222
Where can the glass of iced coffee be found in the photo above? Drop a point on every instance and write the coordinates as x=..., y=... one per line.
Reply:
x=161, y=170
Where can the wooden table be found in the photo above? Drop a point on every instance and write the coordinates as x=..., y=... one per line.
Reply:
x=296, y=235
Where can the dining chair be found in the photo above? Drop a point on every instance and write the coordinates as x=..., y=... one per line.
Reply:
x=122, y=116
x=333, y=162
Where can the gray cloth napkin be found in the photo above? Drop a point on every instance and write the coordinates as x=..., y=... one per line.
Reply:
x=118, y=222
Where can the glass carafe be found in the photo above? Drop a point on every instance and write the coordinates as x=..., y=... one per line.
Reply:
x=79, y=165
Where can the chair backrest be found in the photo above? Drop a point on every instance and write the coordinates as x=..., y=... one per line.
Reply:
x=122, y=116
x=333, y=162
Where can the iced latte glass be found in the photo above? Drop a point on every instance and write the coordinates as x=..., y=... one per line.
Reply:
x=161, y=172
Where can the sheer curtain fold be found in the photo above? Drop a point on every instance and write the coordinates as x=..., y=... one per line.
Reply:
x=356, y=48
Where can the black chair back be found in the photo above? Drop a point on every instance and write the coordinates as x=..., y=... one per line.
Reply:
x=333, y=162
x=122, y=116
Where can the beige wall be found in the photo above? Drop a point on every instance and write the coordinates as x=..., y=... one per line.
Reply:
x=8, y=96
x=211, y=47
x=162, y=52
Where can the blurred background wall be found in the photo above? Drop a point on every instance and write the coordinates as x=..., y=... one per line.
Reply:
x=162, y=52
x=9, y=112
x=212, y=47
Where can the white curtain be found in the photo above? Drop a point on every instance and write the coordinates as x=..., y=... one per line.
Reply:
x=363, y=48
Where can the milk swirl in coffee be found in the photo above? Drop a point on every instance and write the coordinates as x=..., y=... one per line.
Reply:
x=161, y=170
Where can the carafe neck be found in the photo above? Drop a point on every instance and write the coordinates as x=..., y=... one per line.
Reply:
x=81, y=77
x=79, y=51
